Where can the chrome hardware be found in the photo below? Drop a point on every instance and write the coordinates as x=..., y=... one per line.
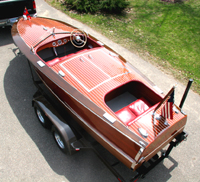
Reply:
x=99, y=42
x=142, y=143
x=61, y=73
x=45, y=28
x=158, y=89
x=81, y=59
x=53, y=31
x=59, y=42
x=139, y=154
x=112, y=54
x=158, y=117
x=40, y=63
x=109, y=117
x=90, y=56
x=54, y=49
x=175, y=110
x=143, y=132
x=32, y=51
x=90, y=46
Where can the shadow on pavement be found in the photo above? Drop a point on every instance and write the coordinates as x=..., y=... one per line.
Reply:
x=83, y=166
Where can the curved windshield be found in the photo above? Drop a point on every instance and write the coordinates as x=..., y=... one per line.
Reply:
x=47, y=34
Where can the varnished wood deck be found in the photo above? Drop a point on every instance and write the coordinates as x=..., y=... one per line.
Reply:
x=94, y=73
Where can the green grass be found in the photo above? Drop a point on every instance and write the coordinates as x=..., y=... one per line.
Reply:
x=167, y=34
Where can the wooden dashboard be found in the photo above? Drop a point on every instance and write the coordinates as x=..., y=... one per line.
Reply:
x=55, y=43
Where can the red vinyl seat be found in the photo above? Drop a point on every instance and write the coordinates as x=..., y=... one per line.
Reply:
x=56, y=60
x=69, y=55
x=53, y=62
x=125, y=115
x=139, y=106
x=65, y=57
x=130, y=112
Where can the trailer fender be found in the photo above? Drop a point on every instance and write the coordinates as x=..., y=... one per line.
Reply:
x=58, y=123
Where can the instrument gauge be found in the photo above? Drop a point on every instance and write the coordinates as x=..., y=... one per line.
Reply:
x=65, y=40
x=53, y=44
x=59, y=42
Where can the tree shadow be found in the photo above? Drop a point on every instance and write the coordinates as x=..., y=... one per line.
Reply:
x=168, y=10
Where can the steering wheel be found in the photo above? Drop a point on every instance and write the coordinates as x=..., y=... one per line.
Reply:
x=78, y=38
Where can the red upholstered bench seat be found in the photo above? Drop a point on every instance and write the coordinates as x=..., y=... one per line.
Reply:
x=67, y=56
x=57, y=60
x=126, y=115
x=139, y=106
x=53, y=62
x=130, y=112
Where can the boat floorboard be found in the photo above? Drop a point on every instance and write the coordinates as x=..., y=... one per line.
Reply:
x=121, y=101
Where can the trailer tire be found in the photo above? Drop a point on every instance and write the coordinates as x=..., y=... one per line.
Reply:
x=59, y=139
x=43, y=119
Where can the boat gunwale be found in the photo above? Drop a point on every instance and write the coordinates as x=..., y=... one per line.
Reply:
x=33, y=58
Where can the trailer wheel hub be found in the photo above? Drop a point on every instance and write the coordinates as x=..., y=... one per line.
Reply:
x=59, y=140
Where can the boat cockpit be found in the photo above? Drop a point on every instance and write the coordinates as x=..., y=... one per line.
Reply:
x=131, y=100
x=64, y=47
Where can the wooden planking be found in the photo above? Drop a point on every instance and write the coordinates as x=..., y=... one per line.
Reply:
x=93, y=77
x=118, y=76
x=154, y=127
x=99, y=73
x=32, y=31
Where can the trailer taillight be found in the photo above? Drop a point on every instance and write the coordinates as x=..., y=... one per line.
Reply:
x=34, y=5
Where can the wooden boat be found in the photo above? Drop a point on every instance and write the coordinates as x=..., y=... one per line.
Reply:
x=109, y=98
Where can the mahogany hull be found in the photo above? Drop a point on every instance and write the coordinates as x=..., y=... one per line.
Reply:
x=114, y=140
x=123, y=141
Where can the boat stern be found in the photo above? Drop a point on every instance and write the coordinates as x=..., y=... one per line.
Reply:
x=165, y=134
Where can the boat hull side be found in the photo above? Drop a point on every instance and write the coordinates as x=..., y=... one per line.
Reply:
x=117, y=143
x=111, y=138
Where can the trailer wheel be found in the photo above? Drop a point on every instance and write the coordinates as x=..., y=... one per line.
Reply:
x=43, y=119
x=59, y=140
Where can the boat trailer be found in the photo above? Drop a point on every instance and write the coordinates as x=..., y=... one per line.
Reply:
x=71, y=138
